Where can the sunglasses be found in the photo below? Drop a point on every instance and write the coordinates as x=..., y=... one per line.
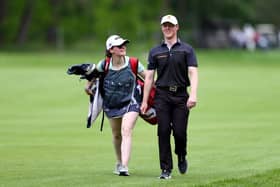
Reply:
x=120, y=46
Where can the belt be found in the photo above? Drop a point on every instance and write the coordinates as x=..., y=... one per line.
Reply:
x=172, y=88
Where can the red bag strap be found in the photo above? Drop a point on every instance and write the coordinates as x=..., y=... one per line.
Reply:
x=106, y=65
x=134, y=65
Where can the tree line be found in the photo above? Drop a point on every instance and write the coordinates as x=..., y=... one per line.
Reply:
x=56, y=21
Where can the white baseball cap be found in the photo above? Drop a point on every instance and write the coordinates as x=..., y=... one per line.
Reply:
x=170, y=19
x=115, y=40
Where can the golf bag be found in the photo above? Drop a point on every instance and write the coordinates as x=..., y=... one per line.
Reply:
x=89, y=72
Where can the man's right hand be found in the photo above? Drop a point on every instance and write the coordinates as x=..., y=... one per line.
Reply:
x=144, y=107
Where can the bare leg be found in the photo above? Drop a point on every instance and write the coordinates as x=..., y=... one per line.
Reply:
x=128, y=123
x=117, y=138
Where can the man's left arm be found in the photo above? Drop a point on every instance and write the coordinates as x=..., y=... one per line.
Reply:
x=193, y=74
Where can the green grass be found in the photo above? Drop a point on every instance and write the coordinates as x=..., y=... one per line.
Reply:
x=233, y=132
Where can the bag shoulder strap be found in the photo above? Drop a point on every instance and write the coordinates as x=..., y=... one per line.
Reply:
x=106, y=65
x=134, y=65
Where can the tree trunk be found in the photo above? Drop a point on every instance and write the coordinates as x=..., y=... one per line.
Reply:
x=165, y=7
x=182, y=13
x=25, y=22
x=52, y=31
x=3, y=10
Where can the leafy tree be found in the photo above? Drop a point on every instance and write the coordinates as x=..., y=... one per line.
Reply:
x=55, y=21
x=267, y=11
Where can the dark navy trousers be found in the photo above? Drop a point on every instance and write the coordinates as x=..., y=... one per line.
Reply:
x=172, y=115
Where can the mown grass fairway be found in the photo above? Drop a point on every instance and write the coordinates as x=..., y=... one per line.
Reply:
x=233, y=133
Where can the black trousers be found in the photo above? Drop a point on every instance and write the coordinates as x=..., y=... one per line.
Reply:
x=172, y=115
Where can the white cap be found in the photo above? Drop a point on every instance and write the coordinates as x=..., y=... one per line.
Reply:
x=115, y=40
x=170, y=19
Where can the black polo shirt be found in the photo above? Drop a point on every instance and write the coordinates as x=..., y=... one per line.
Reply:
x=172, y=65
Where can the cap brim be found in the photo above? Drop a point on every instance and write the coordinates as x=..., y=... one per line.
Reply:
x=125, y=42
x=167, y=22
x=122, y=42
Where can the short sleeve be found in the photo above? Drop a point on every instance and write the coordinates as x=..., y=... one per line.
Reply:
x=151, y=62
x=100, y=66
x=191, y=58
x=140, y=67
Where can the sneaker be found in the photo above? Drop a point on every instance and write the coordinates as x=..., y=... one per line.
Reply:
x=165, y=174
x=182, y=164
x=124, y=171
x=117, y=169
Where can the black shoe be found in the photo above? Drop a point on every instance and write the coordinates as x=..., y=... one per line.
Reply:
x=165, y=174
x=124, y=171
x=182, y=164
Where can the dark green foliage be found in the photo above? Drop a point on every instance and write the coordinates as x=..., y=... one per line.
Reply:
x=54, y=21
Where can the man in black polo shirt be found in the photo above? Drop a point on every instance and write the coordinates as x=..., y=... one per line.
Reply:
x=176, y=66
